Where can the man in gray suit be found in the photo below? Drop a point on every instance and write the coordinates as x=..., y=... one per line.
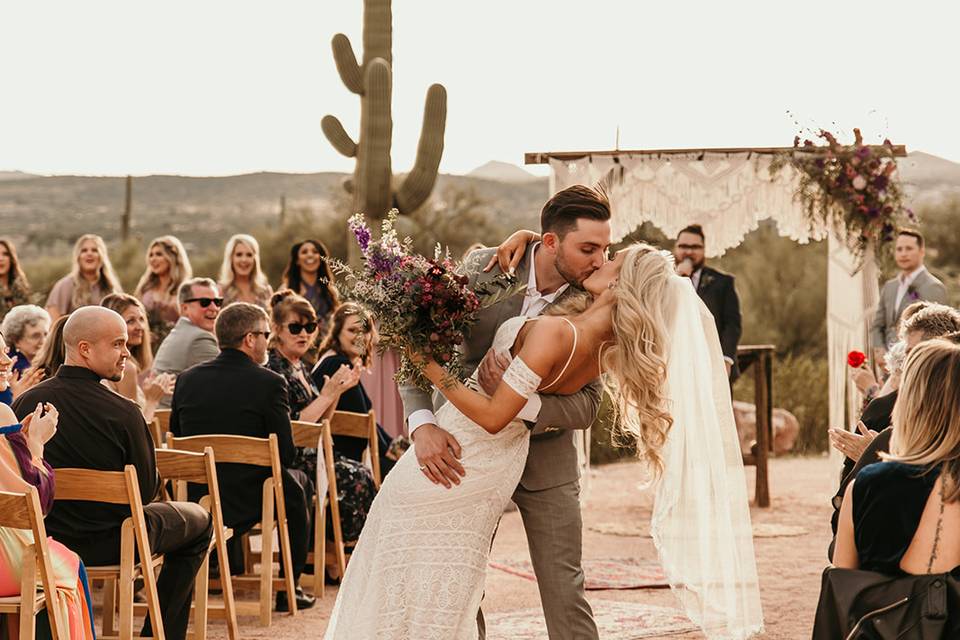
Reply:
x=575, y=224
x=191, y=341
x=912, y=284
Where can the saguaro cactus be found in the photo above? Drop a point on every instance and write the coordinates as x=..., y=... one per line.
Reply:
x=372, y=184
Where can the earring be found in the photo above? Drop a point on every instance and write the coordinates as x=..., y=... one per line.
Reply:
x=612, y=285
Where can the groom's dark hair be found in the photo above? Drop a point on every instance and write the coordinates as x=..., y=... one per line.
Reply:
x=562, y=211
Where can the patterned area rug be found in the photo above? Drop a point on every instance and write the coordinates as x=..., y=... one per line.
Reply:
x=615, y=620
x=610, y=573
x=760, y=530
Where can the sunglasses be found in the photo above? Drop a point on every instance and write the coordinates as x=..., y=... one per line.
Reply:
x=296, y=327
x=265, y=334
x=206, y=302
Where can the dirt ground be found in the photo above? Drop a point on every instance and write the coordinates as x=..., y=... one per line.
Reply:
x=789, y=567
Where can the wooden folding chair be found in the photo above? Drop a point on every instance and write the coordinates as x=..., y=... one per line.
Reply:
x=22, y=511
x=182, y=467
x=357, y=425
x=119, y=487
x=261, y=452
x=159, y=426
x=312, y=434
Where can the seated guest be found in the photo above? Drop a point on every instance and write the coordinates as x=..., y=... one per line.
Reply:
x=191, y=341
x=864, y=448
x=902, y=515
x=21, y=467
x=293, y=330
x=90, y=279
x=25, y=328
x=14, y=287
x=234, y=394
x=51, y=356
x=99, y=429
x=349, y=342
x=241, y=279
x=308, y=274
x=12, y=385
x=167, y=267
x=864, y=378
x=146, y=389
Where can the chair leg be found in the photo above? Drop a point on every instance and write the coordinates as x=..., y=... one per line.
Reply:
x=226, y=584
x=126, y=597
x=201, y=594
x=266, y=556
x=319, y=566
x=28, y=594
x=109, y=626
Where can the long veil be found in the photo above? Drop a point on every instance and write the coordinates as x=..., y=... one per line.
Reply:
x=701, y=517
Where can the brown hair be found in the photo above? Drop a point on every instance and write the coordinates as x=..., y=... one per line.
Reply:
x=53, y=352
x=913, y=233
x=237, y=320
x=284, y=303
x=15, y=276
x=331, y=342
x=926, y=425
x=120, y=302
x=695, y=229
x=561, y=212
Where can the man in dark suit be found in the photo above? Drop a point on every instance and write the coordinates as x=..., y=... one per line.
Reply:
x=234, y=394
x=715, y=288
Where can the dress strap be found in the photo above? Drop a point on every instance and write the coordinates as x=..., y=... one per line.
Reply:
x=569, y=358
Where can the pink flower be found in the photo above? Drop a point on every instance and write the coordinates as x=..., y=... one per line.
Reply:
x=859, y=183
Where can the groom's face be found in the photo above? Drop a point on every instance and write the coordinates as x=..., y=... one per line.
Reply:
x=582, y=250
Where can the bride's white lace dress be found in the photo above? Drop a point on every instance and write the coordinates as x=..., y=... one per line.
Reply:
x=418, y=569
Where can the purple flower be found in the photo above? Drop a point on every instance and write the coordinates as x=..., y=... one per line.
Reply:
x=863, y=152
x=361, y=232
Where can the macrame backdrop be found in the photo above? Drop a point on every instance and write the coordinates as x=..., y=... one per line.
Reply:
x=729, y=194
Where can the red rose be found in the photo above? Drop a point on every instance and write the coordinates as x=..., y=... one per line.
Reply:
x=856, y=359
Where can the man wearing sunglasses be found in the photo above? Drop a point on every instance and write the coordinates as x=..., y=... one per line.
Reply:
x=191, y=341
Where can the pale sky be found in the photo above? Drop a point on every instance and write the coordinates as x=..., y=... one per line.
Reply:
x=209, y=87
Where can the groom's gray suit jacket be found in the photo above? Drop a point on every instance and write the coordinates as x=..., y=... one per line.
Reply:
x=552, y=460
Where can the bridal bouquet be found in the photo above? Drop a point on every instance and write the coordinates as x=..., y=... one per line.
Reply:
x=423, y=305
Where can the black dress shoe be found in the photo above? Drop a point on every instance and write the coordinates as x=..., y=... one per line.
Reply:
x=304, y=601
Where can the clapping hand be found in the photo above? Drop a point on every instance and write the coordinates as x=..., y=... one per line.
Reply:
x=852, y=445
x=27, y=379
x=343, y=379
x=39, y=427
x=158, y=385
x=863, y=379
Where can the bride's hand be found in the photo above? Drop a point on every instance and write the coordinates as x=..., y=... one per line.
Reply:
x=511, y=251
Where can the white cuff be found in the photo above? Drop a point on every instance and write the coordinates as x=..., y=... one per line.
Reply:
x=531, y=410
x=728, y=360
x=421, y=417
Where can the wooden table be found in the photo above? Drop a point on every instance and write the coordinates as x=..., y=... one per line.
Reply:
x=760, y=357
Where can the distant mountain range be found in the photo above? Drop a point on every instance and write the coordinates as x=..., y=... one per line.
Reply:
x=503, y=172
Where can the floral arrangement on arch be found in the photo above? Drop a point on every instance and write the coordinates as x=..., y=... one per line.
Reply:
x=423, y=305
x=853, y=188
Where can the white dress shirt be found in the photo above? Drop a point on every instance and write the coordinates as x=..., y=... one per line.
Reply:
x=904, y=283
x=533, y=305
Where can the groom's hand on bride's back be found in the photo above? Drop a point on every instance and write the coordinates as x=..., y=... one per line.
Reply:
x=491, y=369
x=438, y=452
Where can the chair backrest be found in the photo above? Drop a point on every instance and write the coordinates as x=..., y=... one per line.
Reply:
x=308, y=434
x=239, y=449
x=162, y=416
x=96, y=486
x=23, y=511
x=359, y=425
x=175, y=464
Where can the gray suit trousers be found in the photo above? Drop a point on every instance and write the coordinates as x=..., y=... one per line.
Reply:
x=554, y=528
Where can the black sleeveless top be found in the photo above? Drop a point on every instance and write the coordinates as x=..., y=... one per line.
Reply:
x=888, y=500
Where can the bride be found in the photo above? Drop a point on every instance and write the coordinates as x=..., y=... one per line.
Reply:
x=418, y=569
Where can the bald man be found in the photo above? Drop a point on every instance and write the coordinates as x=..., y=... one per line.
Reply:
x=100, y=429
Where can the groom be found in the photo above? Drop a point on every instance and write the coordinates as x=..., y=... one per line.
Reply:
x=575, y=228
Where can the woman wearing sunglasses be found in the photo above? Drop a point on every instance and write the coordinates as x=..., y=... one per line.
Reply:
x=292, y=333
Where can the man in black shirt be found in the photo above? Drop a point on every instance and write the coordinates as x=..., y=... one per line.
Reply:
x=235, y=394
x=102, y=430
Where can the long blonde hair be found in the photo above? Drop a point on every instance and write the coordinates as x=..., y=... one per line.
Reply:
x=106, y=278
x=636, y=363
x=258, y=281
x=180, y=268
x=926, y=424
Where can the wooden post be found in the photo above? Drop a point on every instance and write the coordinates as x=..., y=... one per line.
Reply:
x=127, y=211
x=762, y=376
x=283, y=210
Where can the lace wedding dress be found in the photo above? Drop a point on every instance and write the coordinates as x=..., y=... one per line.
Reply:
x=418, y=569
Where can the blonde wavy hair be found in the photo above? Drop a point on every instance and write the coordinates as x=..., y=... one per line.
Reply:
x=106, y=277
x=258, y=281
x=926, y=424
x=180, y=268
x=636, y=363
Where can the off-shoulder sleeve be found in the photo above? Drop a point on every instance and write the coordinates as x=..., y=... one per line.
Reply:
x=521, y=378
